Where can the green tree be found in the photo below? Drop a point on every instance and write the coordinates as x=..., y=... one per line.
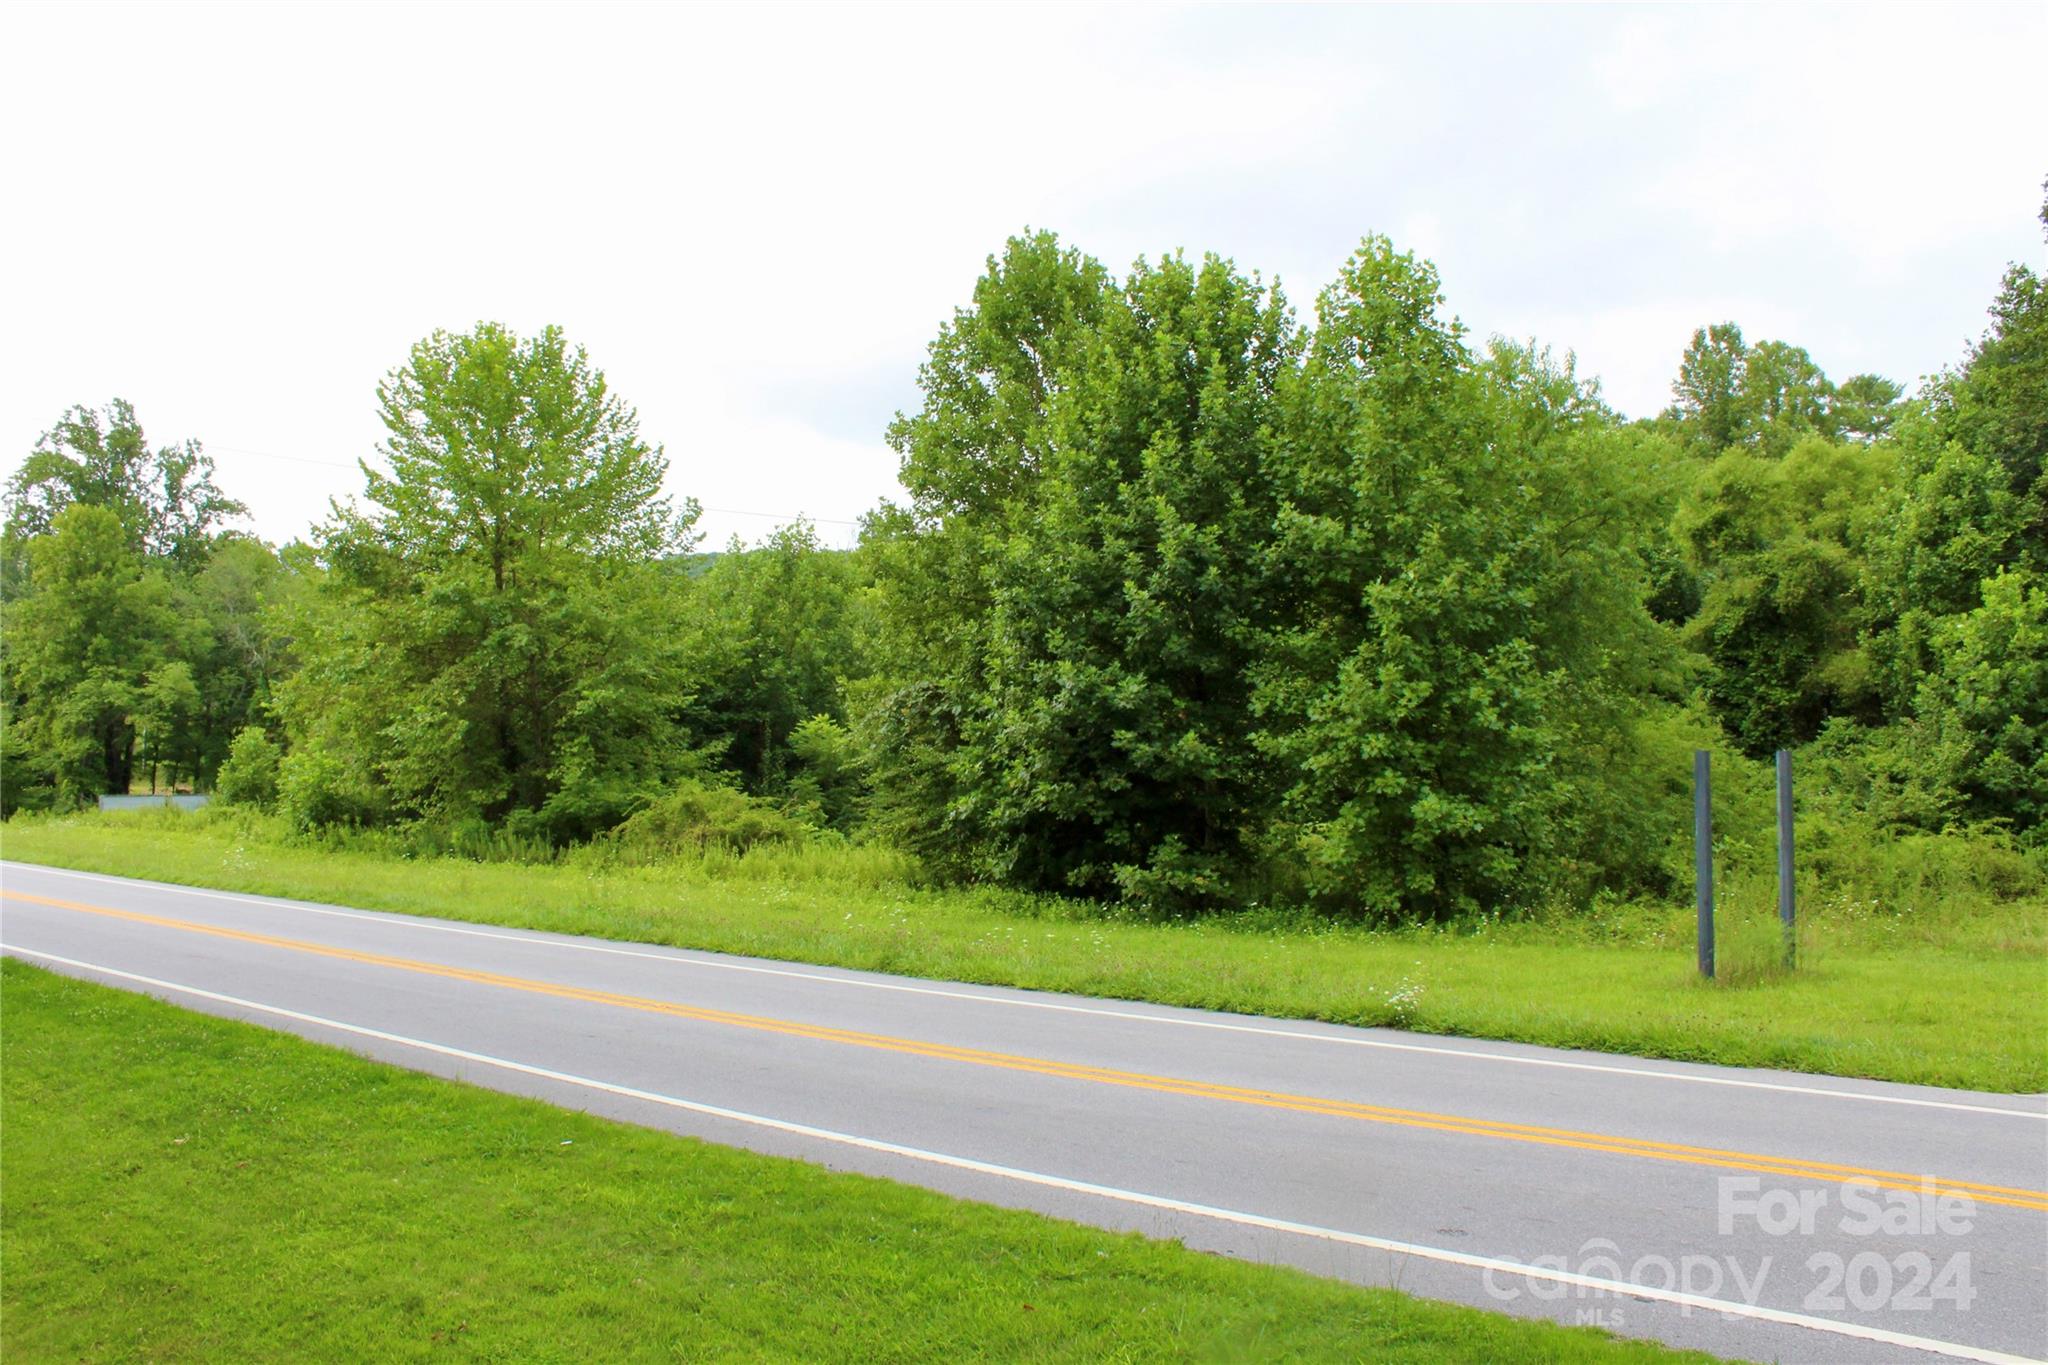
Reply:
x=494, y=637
x=249, y=776
x=1074, y=591
x=165, y=499
x=972, y=452
x=1128, y=605
x=81, y=646
x=829, y=773
x=164, y=724
x=1463, y=584
x=1358, y=621
x=169, y=513
x=1778, y=546
x=1709, y=402
x=1864, y=407
x=1996, y=403
x=971, y=458
x=1769, y=397
x=1950, y=522
x=773, y=635
x=1971, y=501
x=1987, y=706
x=229, y=611
x=1957, y=560
x=1784, y=398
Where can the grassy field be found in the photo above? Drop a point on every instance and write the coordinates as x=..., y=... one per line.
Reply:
x=184, y=1188
x=1958, y=999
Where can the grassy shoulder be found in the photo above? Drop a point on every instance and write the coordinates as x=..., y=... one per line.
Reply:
x=181, y=1187
x=1959, y=999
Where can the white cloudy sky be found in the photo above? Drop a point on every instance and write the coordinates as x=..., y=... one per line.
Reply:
x=754, y=219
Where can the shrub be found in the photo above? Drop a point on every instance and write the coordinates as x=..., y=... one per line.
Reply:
x=24, y=780
x=249, y=776
x=318, y=791
x=1988, y=703
x=831, y=773
x=696, y=818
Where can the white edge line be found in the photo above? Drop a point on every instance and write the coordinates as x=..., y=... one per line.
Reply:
x=679, y=956
x=1683, y=1300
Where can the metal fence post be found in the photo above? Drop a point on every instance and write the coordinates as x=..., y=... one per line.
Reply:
x=1703, y=856
x=1785, y=906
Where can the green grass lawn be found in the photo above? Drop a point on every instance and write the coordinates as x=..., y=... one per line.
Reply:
x=1958, y=999
x=177, y=1187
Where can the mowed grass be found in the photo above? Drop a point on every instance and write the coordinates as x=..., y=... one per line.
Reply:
x=178, y=1187
x=1956, y=999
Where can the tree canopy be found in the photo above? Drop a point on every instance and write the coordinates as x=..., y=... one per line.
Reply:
x=489, y=638
x=1193, y=602
x=164, y=499
x=135, y=639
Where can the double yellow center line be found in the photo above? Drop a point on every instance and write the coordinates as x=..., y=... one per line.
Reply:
x=1645, y=1148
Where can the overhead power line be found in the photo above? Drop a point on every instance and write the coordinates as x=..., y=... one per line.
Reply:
x=722, y=511
x=273, y=455
x=780, y=516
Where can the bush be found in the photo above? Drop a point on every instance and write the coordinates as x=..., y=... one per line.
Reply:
x=318, y=791
x=24, y=780
x=1988, y=704
x=831, y=773
x=697, y=818
x=1641, y=784
x=249, y=776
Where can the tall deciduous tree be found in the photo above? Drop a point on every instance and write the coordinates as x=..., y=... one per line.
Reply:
x=1463, y=605
x=1356, y=625
x=166, y=514
x=1959, y=568
x=232, y=643
x=1768, y=397
x=81, y=649
x=971, y=459
x=494, y=638
x=165, y=499
x=1996, y=403
x=1128, y=607
x=1075, y=588
x=1987, y=704
x=1784, y=398
x=1708, y=391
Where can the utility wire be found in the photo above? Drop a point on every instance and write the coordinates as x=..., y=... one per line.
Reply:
x=273, y=455
x=722, y=511
x=780, y=516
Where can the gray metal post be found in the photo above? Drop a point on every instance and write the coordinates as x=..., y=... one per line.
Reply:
x=1785, y=907
x=1703, y=856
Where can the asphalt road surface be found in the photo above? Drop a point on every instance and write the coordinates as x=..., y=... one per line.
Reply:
x=1765, y=1215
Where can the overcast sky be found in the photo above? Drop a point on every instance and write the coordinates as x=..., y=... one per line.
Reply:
x=239, y=219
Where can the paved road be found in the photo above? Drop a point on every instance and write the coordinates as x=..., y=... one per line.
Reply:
x=1758, y=1214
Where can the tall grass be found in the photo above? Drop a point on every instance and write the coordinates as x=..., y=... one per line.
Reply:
x=1949, y=989
x=1856, y=886
x=821, y=859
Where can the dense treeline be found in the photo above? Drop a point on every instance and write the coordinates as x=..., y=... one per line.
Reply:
x=1187, y=593
x=136, y=635
x=1195, y=602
